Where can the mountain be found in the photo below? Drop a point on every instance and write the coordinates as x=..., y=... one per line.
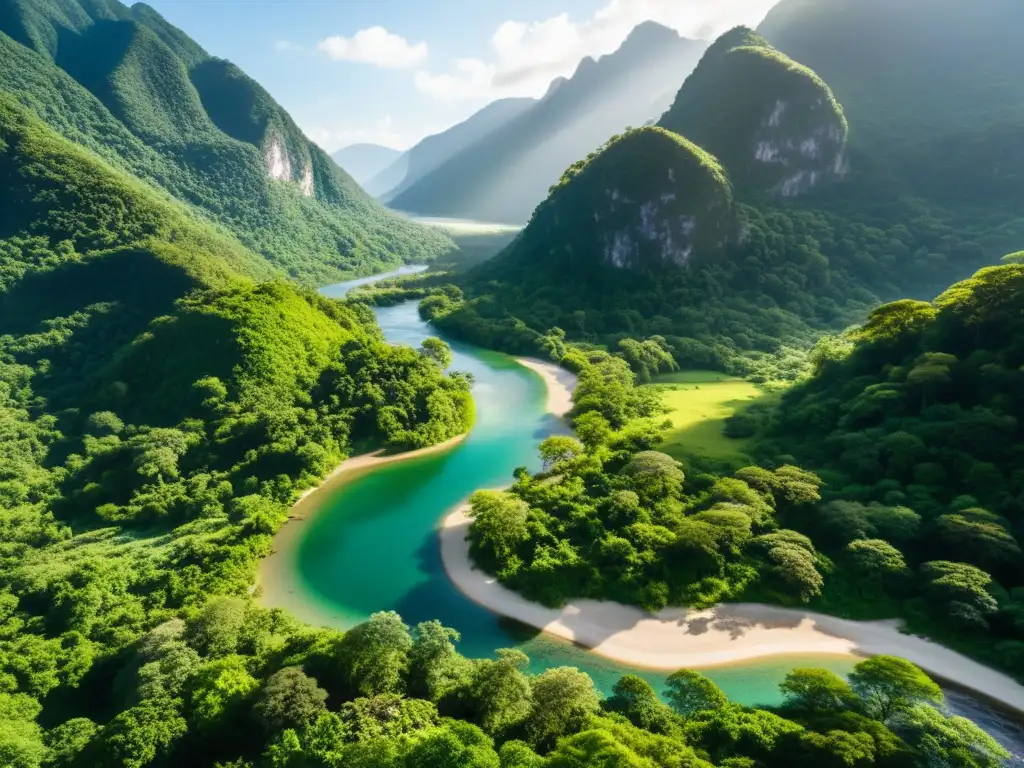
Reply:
x=920, y=80
x=709, y=246
x=164, y=399
x=364, y=161
x=647, y=200
x=437, y=149
x=504, y=177
x=139, y=93
x=772, y=122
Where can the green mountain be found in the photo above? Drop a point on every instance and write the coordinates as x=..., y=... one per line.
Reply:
x=920, y=80
x=435, y=150
x=647, y=201
x=625, y=248
x=160, y=411
x=363, y=162
x=772, y=122
x=503, y=177
x=139, y=93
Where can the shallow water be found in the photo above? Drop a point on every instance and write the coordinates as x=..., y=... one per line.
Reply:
x=373, y=544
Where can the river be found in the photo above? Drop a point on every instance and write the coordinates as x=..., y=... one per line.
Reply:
x=372, y=544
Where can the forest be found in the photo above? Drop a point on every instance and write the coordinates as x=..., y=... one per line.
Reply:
x=170, y=384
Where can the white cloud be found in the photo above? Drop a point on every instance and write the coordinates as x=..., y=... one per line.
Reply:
x=384, y=132
x=375, y=46
x=528, y=56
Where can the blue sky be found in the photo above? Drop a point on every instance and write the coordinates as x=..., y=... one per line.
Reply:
x=394, y=71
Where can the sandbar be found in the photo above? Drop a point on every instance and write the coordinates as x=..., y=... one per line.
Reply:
x=560, y=383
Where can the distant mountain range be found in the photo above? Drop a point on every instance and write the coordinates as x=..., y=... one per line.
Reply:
x=364, y=161
x=435, y=150
x=506, y=171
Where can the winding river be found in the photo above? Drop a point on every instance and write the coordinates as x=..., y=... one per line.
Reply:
x=371, y=544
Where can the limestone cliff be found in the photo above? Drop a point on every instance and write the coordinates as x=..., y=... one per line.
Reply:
x=773, y=123
x=648, y=201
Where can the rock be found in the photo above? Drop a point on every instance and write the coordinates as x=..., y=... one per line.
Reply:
x=773, y=123
x=649, y=200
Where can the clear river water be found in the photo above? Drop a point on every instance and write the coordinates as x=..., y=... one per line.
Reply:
x=372, y=544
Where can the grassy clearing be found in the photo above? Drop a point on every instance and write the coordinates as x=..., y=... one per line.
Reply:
x=698, y=404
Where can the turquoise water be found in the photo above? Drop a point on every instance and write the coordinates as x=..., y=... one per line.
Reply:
x=373, y=545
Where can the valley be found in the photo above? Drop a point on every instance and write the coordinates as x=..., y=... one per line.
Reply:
x=632, y=385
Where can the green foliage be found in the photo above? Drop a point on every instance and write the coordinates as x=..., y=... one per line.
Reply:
x=690, y=692
x=888, y=685
x=918, y=431
x=128, y=86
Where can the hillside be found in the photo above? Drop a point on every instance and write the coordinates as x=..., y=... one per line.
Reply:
x=503, y=178
x=919, y=80
x=135, y=90
x=647, y=201
x=435, y=150
x=773, y=123
x=363, y=162
x=160, y=412
x=920, y=410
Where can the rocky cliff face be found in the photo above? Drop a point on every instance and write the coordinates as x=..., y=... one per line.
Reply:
x=648, y=201
x=281, y=167
x=773, y=123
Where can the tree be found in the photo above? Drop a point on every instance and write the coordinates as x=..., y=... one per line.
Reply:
x=21, y=744
x=438, y=351
x=448, y=748
x=655, y=476
x=499, y=693
x=817, y=690
x=833, y=749
x=876, y=562
x=980, y=538
x=960, y=591
x=518, y=754
x=289, y=699
x=216, y=628
x=637, y=700
x=690, y=692
x=374, y=656
x=435, y=667
x=219, y=691
x=593, y=429
x=385, y=716
x=887, y=685
x=499, y=523
x=947, y=740
x=68, y=741
x=558, y=448
x=563, y=698
x=137, y=736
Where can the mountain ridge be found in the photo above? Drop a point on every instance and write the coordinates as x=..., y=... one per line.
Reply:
x=503, y=178
x=138, y=92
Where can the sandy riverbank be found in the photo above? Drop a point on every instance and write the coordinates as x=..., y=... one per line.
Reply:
x=726, y=634
x=275, y=580
x=560, y=383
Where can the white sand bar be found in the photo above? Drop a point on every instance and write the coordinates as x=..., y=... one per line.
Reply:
x=729, y=633
x=560, y=383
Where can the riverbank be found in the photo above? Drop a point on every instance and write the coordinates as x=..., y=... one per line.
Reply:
x=560, y=383
x=727, y=634
x=275, y=584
